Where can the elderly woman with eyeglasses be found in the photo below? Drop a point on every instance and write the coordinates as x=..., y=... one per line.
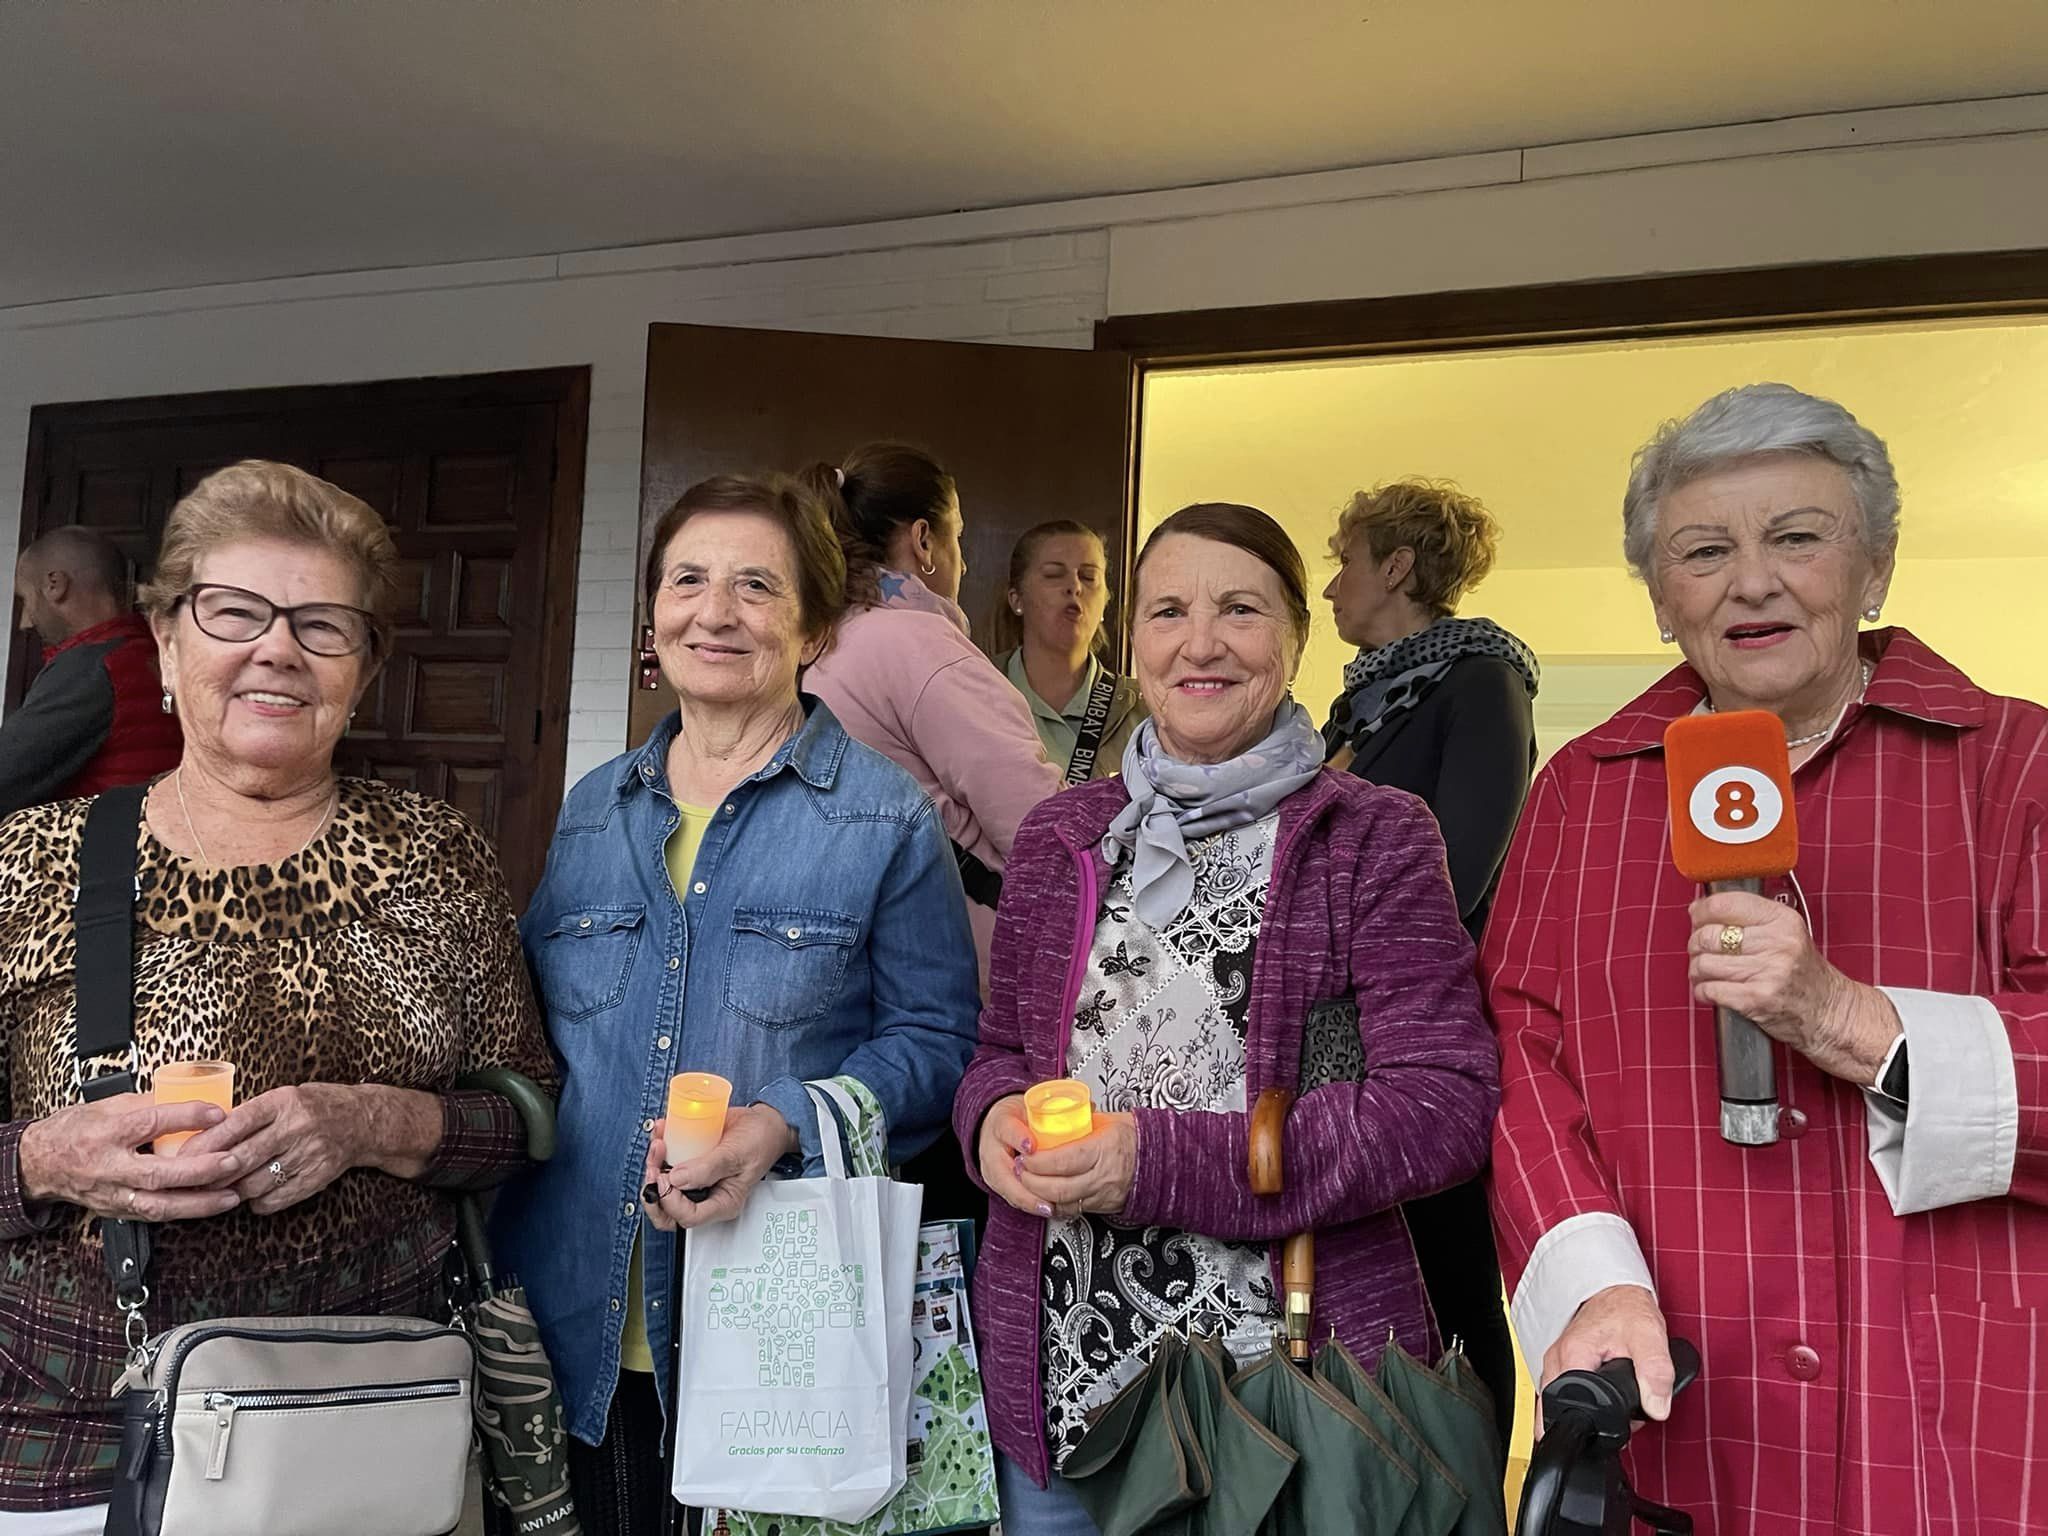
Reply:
x=1866, y=1291
x=348, y=946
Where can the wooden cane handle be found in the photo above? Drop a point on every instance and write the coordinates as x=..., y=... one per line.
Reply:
x=1268, y=1168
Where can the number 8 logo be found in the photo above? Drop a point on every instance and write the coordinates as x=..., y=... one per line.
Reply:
x=1736, y=805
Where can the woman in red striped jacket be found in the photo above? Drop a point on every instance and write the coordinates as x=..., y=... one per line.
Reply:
x=1864, y=1291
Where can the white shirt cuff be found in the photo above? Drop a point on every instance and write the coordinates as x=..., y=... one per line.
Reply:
x=1578, y=1257
x=1956, y=1137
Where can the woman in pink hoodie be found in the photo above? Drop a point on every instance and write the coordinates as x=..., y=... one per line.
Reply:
x=903, y=676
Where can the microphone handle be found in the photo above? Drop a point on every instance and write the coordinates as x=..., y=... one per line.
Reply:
x=1748, y=1070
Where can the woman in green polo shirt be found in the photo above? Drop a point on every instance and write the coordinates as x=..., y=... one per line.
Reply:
x=1050, y=642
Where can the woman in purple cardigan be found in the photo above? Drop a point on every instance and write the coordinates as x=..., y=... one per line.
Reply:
x=1224, y=918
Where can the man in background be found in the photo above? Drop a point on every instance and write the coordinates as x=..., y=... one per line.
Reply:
x=93, y=718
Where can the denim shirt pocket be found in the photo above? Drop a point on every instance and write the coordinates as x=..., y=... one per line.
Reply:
x=784, y=965
x=583, y=959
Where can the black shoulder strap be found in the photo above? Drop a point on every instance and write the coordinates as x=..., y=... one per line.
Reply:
x=982, y=884
x=104, y=919
x=1088, y=739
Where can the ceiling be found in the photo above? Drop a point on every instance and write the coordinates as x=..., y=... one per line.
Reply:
x=148, y=145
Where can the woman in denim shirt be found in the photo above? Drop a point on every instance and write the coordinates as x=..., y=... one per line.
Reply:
x=751, y=893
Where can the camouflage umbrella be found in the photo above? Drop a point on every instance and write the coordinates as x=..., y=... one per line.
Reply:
x=519, y=1420
x=520, y=1425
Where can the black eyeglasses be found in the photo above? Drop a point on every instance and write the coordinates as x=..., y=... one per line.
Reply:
x=236, y=616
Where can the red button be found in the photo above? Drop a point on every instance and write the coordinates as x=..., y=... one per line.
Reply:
x=1791, y=1124
x=1803, y=1363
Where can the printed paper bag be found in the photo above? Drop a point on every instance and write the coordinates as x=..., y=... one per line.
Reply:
x=785, y=1401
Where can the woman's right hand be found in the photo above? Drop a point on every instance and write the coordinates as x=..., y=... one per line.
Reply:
x=1005, y=1137
x=86, y=1155
x=1622, y=1322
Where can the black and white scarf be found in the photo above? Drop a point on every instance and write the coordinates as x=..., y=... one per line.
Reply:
x=1379, y=684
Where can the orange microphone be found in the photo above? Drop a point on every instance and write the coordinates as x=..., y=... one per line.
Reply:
x=1732, y=827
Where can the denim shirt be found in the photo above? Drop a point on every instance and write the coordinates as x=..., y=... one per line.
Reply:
x=823, y=932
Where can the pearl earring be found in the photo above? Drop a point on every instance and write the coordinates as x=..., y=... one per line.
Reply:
x=1870, y=613
x=168, y=706
x=1666, y=636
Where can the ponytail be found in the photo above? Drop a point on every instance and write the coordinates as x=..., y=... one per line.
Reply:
x=880, y=488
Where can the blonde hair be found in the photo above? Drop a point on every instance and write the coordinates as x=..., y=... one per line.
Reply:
x=1007, y=629
x=258, y=499
x=1452, y=534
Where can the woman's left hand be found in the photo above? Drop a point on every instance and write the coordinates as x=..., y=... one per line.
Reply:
x=754, y=1140
x=1785, y=986
x=1091, y=1176
x=299, y=1139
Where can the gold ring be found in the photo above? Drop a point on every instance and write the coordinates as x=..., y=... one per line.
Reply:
x=1731, y=940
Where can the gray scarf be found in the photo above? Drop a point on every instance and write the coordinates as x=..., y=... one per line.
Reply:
x=1172, y=801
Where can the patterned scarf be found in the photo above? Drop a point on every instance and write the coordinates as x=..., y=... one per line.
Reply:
x=899, y=589
x=1379, y=684
x=1172, y=801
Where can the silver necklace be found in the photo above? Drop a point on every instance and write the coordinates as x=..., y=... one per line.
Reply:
x=192, y=828
x=1862, y=682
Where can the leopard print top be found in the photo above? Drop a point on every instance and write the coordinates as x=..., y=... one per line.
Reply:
x=385, y=952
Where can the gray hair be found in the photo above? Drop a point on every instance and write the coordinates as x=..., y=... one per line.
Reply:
x=1746, y=423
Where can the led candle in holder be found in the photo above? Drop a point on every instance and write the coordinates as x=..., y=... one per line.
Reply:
x=1059, y=1112
x=191, y=1082
x=697, y=1102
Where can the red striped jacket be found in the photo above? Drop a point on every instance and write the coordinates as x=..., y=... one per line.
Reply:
x=1864, y=1370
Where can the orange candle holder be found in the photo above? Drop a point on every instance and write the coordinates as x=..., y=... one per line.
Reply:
x=191, y=1082
x=1059, y=1112
x=697, y=1102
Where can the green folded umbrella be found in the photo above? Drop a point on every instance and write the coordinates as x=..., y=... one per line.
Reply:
x=1140, y=1462
x=1349, y=1477
x=1458, y=1426
x=1249, y=1464
x=1457, y=1370
x=1439, y=1496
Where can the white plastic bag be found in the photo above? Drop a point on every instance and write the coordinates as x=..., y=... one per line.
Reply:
x=794, y=1386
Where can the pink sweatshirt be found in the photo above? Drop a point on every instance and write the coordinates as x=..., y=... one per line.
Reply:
x=907, y=681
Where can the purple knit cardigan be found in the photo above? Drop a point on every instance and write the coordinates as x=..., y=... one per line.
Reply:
x=1360, y=906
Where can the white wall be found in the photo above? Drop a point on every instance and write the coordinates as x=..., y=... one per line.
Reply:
x=1942, y=178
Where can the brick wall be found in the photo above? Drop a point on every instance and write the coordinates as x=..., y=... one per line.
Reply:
x=1035, y=290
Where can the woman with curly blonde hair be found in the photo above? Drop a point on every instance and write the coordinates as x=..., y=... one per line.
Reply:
x=1439, y=706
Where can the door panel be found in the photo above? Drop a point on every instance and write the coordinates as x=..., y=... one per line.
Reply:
x=481, y=482
x=1030, y=433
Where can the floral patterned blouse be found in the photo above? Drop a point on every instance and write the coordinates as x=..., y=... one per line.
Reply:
x=1160, y=1024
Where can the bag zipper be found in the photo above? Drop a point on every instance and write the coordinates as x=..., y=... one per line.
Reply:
x=225, y=1405
x=167, y=1386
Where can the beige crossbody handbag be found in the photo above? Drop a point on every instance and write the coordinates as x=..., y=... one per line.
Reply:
x=255, y=1426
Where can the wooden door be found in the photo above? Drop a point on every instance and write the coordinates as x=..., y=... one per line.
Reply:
x=481, y=481
x=1030, y=433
